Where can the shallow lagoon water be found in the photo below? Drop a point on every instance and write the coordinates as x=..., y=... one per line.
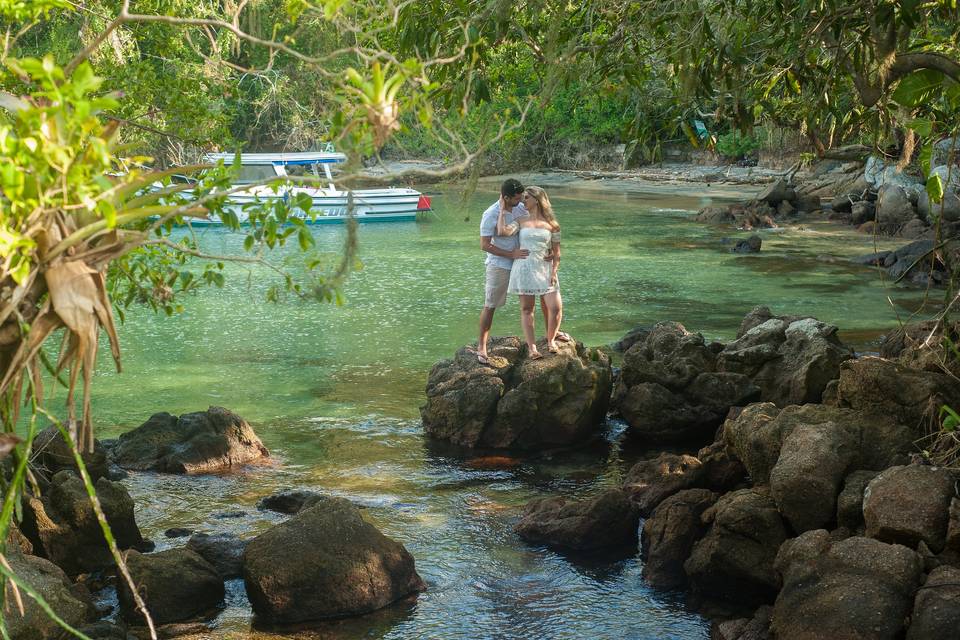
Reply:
x=334, y=391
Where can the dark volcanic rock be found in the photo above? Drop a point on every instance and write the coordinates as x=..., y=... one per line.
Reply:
x=51, y=583
x=223, y=550
x=750, y=245
x=201, y=442
x=886, y=388
x=909, y=504
x=669, y=389
x=850, y=500
x=936, y=608
x=669, y=535
x=325, y=562
x=608, y=521
x=790, y=360
x=176, y=585
x=290, y=502
x=558, y=400
x=63, y=527
x=857, y=588
x=734, y=560
x=650, y=482
x=53, y=454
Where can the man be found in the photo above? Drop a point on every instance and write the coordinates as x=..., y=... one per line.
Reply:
x=501, y=252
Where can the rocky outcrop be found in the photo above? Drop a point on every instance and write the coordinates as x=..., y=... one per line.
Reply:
x=201, y=442
x=63, y=527
x=69, y=602
x=650, y=482
x=669, y=535
x=291, y=502
x=885, y=388
x=734, y=560
x=790, y=360
x=778, y=201
x=908, y=505
x=670, y=390
x=325, y=562
x=608, y=521
x=857, y=588
x=936, y=608
x=755, y=628
x=924, y=346
x=515, y=402
x=176, y=585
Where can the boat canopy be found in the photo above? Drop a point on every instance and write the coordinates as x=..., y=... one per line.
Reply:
x=303, y=157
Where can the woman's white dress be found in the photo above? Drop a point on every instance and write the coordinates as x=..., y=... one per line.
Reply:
x=531, y=275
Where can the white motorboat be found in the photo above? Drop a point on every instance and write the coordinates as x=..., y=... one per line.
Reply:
x=329, y=203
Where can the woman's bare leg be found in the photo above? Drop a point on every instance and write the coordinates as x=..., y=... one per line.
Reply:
x=527, y=304
x=553, y=305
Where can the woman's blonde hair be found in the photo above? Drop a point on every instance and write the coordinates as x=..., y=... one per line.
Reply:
x=546, y=209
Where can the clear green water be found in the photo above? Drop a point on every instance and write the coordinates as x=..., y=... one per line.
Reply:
x=334, y=391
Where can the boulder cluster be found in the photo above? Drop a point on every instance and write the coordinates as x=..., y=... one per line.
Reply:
x=325, y=561
x=780, y=201
x=807, y=512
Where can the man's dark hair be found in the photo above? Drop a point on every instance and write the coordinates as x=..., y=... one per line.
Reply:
x=510, y=188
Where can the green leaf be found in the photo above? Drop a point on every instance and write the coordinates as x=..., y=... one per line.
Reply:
x=918, y=88
x=248, y=243
x=922, y=126
x=935, y=188
x=305, y=238
x=925, y=157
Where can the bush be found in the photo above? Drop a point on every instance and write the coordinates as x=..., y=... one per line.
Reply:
x=736, y=146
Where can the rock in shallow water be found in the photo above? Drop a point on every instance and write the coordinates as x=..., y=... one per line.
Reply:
x=176, y=585
x=325, y=562
x=201, y=442
x=70, y=603
x=515, y=402
x=606, y=522
x=290, y=502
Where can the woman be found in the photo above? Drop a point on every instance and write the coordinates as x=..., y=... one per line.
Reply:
x=536, y=275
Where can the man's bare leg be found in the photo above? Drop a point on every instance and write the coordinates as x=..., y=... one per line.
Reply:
x=486, y=321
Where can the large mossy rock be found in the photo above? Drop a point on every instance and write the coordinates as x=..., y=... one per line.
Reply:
x=325, y=562
x=201, y=442
x=791, y=360
x=63, y=527
x=176, y=585
x=68, y=601
x=734, y=561
x=805, y=452
x=607, y=521
x=514, y=402
x=910, y=504
x=854, y=589
x=669, y=535
x=670, y=390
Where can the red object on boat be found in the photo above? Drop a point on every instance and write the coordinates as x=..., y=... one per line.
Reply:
x=423, y=204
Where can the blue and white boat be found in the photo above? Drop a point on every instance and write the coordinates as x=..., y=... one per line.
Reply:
x=329, y=203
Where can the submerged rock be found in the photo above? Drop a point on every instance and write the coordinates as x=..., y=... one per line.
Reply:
x=63, y=527
x=750, y=245
x=606, y=522
x=176, y=585
x=201, y=442
x=291, y=502
x=325, y=562
x=515, y=402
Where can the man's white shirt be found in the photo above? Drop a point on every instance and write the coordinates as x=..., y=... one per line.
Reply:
x=488, y=227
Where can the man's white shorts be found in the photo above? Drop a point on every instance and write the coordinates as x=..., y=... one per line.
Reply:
x=496, y=291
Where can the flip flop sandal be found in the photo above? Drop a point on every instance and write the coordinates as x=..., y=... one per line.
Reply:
x=563, y=337
x=482, y=359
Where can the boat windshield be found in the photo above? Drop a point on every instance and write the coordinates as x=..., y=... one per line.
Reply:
x=254, y=173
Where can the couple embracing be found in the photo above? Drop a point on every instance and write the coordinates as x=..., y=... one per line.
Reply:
x=522, y=239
